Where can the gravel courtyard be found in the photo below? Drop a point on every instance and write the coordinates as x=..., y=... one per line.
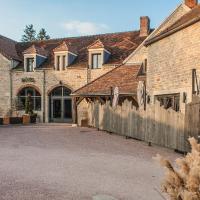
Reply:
x=60, y=162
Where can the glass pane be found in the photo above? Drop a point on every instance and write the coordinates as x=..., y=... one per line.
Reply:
x=58, y=62
x=22, y=101
x=37, y=93
x=30, y=62
x=57, y=91
x=99, y=61
x=22, y=93
x=57, y=108
x=64, y=62
x=37, y=103
x=30, y=91
x=94, y=61
x=67, y=108
x=66, y=91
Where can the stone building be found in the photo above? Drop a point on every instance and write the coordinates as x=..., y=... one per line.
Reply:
x=51, y=70
x=173, y=61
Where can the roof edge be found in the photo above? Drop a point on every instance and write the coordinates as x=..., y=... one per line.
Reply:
x=171, y=32
x=74, y=93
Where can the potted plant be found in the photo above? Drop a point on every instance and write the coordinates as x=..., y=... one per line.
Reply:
x=1, y=118
x=6, y=119
x=30, y=116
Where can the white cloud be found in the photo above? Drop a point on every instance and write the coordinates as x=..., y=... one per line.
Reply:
x=84, y=28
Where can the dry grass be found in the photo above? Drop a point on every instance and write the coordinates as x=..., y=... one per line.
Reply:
x=183, y=181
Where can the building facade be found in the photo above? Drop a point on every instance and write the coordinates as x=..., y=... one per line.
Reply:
x=174, y=63
x=49, y=71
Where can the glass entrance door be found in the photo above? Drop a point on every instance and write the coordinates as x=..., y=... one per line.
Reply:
x=60, y=105
x=67, y=108
x=57, y=109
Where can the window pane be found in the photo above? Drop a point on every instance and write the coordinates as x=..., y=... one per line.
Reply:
x=58, y=62
x=22, y=101
x=99, y=61
x=64, y=62
x=66, y=92
x=96, y=61
x=22, y=93
x=57, y=92
x=30, y=91
x=37, y=103
x=30, y=62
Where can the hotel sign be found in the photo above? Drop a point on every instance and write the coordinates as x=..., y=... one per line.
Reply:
x=28, y=80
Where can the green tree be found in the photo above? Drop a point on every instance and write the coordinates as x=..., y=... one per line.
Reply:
x=42, y=35
x=29, y=34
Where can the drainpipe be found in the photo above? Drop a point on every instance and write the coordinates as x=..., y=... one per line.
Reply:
x=11, y=88
x=44, y=96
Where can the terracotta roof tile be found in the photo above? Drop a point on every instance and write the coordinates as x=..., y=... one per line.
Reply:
x=7, y=48
x=125, y=77
x=120, y=45
x=36, y=50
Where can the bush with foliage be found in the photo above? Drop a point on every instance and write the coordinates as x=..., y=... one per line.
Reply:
x=183, y=182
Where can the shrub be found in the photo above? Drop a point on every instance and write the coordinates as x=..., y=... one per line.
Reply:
x=183, y=181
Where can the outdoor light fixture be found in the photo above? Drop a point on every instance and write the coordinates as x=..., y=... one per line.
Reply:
x=148, y=99
x=60, y=82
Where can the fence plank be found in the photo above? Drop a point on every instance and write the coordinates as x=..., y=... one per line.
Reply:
x=156, y=125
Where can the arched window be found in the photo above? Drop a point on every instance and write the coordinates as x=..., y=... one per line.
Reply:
x=35, y=97
x=60, y=91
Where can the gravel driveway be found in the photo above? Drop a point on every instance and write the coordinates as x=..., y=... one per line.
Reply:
x=60, y=162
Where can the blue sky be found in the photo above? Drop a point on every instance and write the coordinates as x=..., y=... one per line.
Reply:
x=63, y=18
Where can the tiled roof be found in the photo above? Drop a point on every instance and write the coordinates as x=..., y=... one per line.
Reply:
x=186, y=20
x=36, y=50
x=120, y=45
x=125, y=77
x=7, y=48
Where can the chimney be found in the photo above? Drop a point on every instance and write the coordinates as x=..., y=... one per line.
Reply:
x=191, y=3
x=144, y=26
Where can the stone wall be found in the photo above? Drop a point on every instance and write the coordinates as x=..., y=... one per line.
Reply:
x=72, y=78
x=171, y=61
x=4, y=85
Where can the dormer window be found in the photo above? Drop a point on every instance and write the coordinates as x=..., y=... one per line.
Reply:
x=30, y=64
x=98, y=55
x=34, y=57
x=96, y=61
x=60, y=62
x=63, y=57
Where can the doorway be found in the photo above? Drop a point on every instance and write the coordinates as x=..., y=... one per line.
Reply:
x=60, y=105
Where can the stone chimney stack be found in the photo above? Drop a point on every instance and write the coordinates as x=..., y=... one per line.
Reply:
x=144, y=26
x=191, y=3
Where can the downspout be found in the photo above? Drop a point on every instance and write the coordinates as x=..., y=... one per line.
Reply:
x=11, y=88
x=44, y=96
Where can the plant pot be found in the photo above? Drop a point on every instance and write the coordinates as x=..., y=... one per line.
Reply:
x=26, y=119
x=33, y=119
x=6, y=120
x=1, y=121
x=16, y=120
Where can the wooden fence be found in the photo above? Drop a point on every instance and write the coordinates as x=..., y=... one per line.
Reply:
x=155, y=125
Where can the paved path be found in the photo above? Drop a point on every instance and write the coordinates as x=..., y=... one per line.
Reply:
x=60, y=162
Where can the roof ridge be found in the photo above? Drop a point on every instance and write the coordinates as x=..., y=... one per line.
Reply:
x=181, y=26
x=76, y=37
x=2, y=36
